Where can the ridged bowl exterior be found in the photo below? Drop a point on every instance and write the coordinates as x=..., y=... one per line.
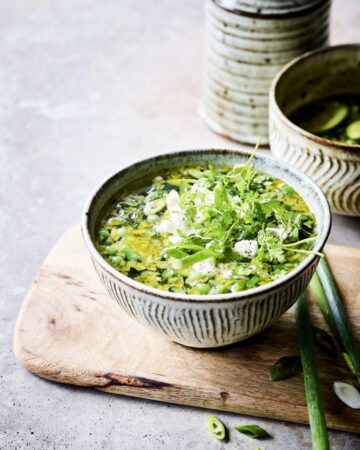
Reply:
x=335, y=167
x=206, y=324
x=204, y=321
x=244, y=49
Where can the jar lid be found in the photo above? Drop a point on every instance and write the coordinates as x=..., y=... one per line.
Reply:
x=270, y=8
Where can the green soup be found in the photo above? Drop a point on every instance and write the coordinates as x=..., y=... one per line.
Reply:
x=335, y=118
x=207, y=230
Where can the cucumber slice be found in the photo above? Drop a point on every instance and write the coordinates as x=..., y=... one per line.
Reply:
x=353, y=130
x=327, y=115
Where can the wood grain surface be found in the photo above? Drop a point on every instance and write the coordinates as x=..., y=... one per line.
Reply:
x=69, y=330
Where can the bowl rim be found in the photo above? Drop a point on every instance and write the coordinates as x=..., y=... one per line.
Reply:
x=273, y=104
x=204, y=298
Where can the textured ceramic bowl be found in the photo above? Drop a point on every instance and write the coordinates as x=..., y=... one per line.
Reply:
x=247, y=42
x=205, y=320
x=335, y=167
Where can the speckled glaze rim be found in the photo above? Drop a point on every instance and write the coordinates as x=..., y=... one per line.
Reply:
x=188, y=298
x=275, y=15
x=346, y=148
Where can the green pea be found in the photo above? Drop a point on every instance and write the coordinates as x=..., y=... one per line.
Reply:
x=104, y=234
x=117, y=260
x=111, y=250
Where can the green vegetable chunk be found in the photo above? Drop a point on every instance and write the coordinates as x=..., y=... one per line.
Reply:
x=336, y=118
x=285, y=367
x=253, y=431
x=216, y=428
x=326, y=116
x=353, y=130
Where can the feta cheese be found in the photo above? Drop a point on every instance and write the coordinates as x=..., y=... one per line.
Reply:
x=226, y=273
x=176, y=220
x=207, y=194
x=246, y=248
x=205, y=267
x=173, y=201
x=280, y=232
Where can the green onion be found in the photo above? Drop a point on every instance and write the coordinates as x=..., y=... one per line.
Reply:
x=327, y=296
x=285, y=367
x=314, y=401
x=253, y=431
x=216, y=428
x=348, y=394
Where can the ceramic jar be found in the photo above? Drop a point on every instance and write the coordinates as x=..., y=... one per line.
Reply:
x=247, y=42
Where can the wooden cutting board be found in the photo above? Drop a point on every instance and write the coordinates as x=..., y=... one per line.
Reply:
x=69, y=330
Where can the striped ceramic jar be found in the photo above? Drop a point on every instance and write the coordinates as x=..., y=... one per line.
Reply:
x=204, y=320
x=334, y=166
x=246, y=45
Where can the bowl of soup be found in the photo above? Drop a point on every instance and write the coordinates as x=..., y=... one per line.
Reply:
x=314, y=122
x=206, y=247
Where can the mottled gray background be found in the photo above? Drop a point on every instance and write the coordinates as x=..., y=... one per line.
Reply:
x=86, y=86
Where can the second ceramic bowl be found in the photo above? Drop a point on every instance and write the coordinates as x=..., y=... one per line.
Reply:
x=334, y=166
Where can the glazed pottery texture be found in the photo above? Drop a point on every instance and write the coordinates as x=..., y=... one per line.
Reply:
x=335, y=167
x=246, y=45
x=205, y=320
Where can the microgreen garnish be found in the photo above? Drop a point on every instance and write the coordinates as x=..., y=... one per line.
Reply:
x=285, y=367
x=208, y=230
x=253, y=431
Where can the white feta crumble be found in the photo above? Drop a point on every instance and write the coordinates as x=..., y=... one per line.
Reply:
x=173, y=201
x=208, y=195
x=205, y=267
x=246, y=248
x=226, y=273
x=176, y=220
x=280, y=232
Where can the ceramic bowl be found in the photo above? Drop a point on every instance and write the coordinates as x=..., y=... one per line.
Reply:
x=335, y=167
x=204, y=321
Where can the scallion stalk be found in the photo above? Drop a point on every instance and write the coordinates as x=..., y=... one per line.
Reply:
x=327, y=296
x=314, y=401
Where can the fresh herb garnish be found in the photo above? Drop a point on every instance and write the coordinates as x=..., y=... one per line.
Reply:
x=222, y=230
x=253, y=431
x=216, y=428
x=285, y=367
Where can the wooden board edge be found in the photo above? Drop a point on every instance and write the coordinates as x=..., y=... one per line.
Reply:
x=142, y=388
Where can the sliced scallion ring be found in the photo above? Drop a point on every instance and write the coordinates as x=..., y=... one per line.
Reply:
x=348, y=394
x=353, y=130
x=216, y=428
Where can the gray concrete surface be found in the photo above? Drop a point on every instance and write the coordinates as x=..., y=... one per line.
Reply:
x=86, y=86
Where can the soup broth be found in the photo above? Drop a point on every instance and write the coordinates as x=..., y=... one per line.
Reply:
x=207, y=230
